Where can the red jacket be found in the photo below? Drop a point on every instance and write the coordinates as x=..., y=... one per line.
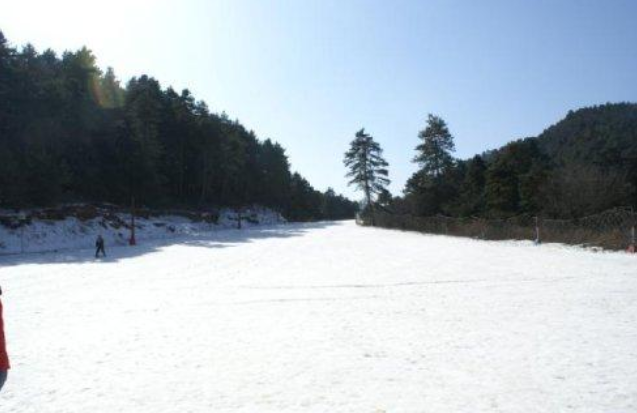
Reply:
x=4, y=358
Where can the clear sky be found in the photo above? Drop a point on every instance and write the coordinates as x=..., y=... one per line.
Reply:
x=310, y=73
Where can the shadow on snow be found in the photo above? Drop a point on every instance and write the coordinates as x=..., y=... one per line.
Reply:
x=215, y=239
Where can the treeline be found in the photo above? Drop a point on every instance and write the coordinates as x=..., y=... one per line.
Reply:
x=69, y=132
x=585, y=164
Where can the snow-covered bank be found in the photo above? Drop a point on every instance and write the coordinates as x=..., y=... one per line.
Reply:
x=324, y=317
x=42, y=235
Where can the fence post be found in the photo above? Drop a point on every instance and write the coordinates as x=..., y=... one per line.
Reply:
x=537, y=232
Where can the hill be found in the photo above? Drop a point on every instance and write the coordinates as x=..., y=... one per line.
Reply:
x=604, y=135
x=584, y=164
x=70, y=132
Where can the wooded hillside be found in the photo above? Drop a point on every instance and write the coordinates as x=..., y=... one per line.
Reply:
x=70, y=132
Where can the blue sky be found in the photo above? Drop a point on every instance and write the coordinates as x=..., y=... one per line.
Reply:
x=310, y=73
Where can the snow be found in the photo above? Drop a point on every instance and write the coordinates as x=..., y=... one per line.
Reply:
x=326, y=317
x=72, y=233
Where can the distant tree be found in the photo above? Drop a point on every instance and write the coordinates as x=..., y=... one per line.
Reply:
x=471, y=197
x=275, y=174
x=514, y=177
x=304, y=202
x=582, y=165
x=111, y=94
x=327, y=204
x=385, y=198
x=434, y=186
x=502, y=195
x=143, y=117
x=530, y=187
x=70, y=133
x=335, y=207
x=578, y=189
x=434, y=153
x=367, y=168
x=434, y=195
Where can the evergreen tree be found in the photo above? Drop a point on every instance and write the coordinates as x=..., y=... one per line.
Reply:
x=143, y=111
x=304, y=201
x=471, y=197
x=274, y=174
x=111, y=94
x=367, y=167
x=501, y=190
x=336, y=207
x=69, y=133
x=434, y=153
x=514, y=177
x=385, y=199
x=434, y=187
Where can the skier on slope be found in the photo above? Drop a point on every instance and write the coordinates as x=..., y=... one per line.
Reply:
x=99, y=246
x=4, y=358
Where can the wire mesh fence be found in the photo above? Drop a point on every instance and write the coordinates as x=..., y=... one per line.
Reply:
x=613, y=229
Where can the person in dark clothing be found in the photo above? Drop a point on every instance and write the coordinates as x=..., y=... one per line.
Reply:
x=4, y=358
x=99, y=246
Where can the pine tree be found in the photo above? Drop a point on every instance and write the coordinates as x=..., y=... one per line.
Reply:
x=69, y=132
x=472, y=188
x=385, y=198
x=432, y=187
x=367, y=167
x=434, y=153
x=143, y=112
x=110, y=93
x=501, y=189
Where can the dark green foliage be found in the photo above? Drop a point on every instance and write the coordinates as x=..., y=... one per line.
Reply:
x=69, y=132
x=385, y=199
x=600, y=138
x=600, y=135
x=366, y=167
x=434, y=187
x=434, y=153
x=577, y=190
x=337, y=206
x=514, y=178
x=584, y=164
x=435, y=194
x=471, y=196
x=308, y=204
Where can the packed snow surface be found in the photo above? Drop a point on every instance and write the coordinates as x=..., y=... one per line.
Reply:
x=326, y=317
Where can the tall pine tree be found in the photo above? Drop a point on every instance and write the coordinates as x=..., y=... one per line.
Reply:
x=367, y=167
x=432, y=187
x=434, y=153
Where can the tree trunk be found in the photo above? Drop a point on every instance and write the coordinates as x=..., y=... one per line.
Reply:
x=368, y=195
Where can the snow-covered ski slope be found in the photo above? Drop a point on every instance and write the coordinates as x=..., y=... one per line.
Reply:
x=326, y=317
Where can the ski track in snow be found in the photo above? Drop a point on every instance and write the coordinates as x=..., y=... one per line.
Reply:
x=326, y=317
